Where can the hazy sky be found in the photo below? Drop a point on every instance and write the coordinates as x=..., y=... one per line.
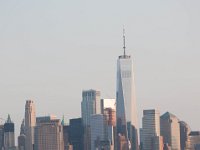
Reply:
x=50, y=50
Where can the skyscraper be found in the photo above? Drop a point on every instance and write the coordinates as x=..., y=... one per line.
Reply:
x=184, y=134
x=30, y=121
x=1, y=136
x=170, y=130
x=151, y=130
x=22, y=137
x=90, y=105
x=127, y=124
x=97, y=130
x=108, y=108
x=76, y=133
x=48, y=134
x=193, y=140
x=9, y=134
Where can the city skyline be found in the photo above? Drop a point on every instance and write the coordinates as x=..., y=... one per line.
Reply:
x=163, y=49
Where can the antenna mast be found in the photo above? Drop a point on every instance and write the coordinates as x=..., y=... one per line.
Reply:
x=124, y=47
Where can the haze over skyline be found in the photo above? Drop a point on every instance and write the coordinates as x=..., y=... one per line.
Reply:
x=52, y=50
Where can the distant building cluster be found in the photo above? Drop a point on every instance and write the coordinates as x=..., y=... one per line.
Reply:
x=105, y=124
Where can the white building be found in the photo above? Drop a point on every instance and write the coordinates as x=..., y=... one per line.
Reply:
x=126, y=101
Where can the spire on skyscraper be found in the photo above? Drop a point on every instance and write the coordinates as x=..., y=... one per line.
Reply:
x=8, y=119
x=22, y=128
x=124, y=42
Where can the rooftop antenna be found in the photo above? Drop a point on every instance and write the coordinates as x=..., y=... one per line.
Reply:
x=124, y=47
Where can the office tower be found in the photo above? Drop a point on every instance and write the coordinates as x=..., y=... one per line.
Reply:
x=29, y=124
x=66, y=136
x=108, y=109
x=97, y=130
x=102, y=134
x=22, y=137
x=1, y=136
x=151, y=130
x=193, y=140
x=90, y=105
x=48, y=134
x=76, y=134
x=110, y=115
x=184, y=134
x=170, y=130
x=126, y=102
x=9, y=134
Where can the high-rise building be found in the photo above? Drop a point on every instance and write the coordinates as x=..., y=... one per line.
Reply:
x=184, y=134
x=127, y=124
x=90, y=105
x=48, y=134
x=9, y=134
x=193, y=141
x=170, y=130
x=1, y=136
x=110, y=115
x=30, y=121
x=97, y=130
x=151, y=130
x=66, y=136
x=108, y=108
x=76, y=133
x=22, y=137
x=108, y=103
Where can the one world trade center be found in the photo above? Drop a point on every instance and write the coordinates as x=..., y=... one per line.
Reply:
x=126, y=113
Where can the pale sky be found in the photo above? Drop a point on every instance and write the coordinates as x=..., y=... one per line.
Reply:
x=50, y=50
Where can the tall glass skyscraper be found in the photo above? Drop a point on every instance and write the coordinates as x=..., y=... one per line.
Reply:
x=151, y=138
x=126, y=103
x=90, y=105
